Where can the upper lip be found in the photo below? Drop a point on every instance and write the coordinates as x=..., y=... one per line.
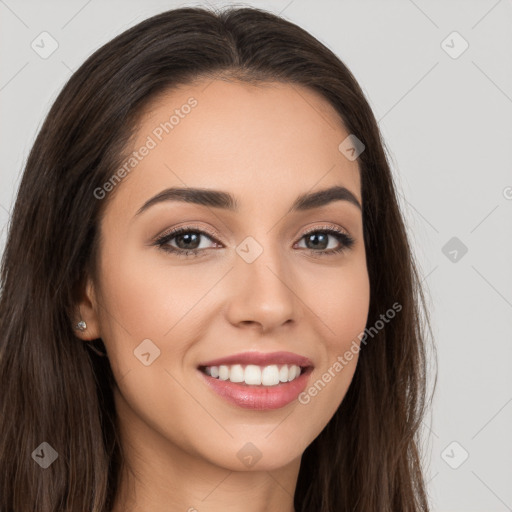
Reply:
x=261, y=359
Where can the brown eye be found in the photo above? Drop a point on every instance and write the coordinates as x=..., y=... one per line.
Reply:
x=187, y=241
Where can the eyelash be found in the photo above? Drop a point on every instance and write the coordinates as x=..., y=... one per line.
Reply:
x=345, y=240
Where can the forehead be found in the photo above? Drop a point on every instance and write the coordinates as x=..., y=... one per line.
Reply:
x=264, y=141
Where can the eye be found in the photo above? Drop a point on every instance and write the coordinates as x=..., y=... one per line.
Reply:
x=187, y=239
x=318, y=238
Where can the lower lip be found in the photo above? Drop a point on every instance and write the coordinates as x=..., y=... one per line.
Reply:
x=259, y=397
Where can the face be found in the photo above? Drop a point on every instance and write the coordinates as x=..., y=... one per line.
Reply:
x=260, y=275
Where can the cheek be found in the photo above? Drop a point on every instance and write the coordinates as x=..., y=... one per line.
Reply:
x=142, y=302
x=145, y=297
x=343, y=305
x=341, y=299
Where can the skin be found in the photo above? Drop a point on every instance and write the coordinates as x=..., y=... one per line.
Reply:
x=266, y=145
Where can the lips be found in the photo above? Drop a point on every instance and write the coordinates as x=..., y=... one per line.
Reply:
x=260, y=359
x=258, y=398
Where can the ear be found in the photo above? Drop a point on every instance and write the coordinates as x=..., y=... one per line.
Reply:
x=87, y=310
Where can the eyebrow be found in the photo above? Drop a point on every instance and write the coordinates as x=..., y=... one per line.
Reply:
x=224, y=200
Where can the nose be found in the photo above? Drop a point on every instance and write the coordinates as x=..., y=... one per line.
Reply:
x=262, y=293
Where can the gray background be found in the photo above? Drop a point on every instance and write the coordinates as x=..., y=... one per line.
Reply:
x=448, y=126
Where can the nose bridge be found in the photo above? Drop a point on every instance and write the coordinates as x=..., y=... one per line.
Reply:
x=262, y=280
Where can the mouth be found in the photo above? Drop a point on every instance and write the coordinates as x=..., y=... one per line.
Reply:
x=257, y=381
x=251, y=375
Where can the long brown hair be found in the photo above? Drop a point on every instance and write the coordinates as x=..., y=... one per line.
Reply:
x=56, y=390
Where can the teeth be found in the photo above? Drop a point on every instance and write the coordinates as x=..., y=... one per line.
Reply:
x=254, y=375
x=223, y=373
x=293, y=372
x=269, y=375
x=236, y=373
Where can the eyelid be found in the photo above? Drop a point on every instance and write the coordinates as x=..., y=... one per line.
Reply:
x=187, y=227
x=326, y=227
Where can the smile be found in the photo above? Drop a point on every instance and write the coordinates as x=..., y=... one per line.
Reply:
x=253, y=375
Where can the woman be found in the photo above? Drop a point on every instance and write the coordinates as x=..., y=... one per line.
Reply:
x=208, y=296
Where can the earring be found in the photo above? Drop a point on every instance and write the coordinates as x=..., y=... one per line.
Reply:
x=81, y=326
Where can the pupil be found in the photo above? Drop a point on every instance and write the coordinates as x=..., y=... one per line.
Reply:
x=187, y=237
x=315, y=244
